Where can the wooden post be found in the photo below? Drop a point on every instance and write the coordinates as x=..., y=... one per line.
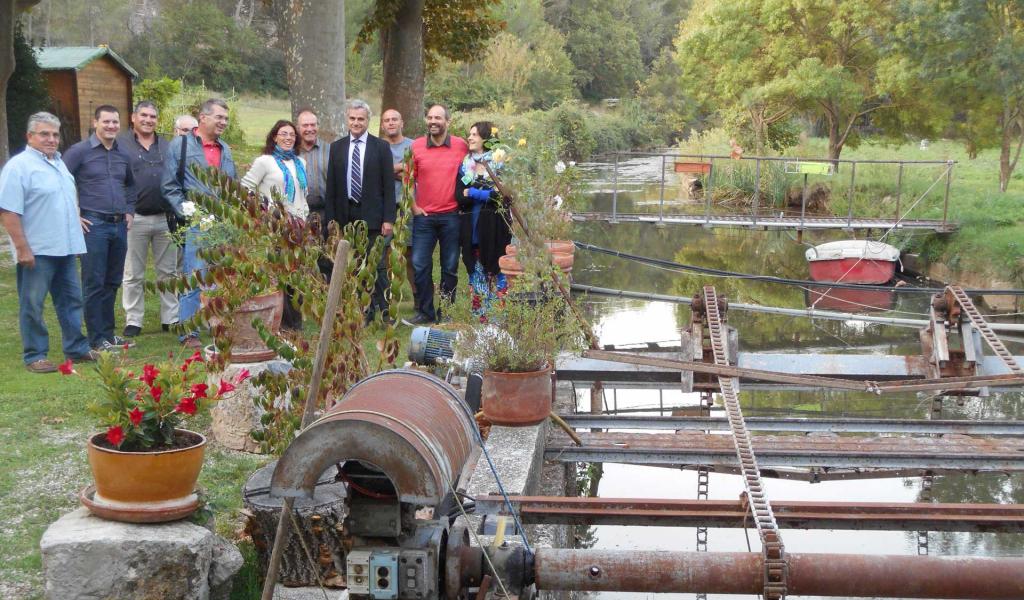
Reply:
x=326, y=329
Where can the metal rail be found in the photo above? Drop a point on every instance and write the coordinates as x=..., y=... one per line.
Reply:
x=799, y=425
x=707, y=166
x=772, y=222
x=760, y=507
x=826, y=452
x=876, y=516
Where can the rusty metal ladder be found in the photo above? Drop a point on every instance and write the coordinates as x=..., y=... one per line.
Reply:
x=764, y=519
x=986, y=332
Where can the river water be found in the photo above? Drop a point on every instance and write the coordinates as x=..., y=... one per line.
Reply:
x=623, y=321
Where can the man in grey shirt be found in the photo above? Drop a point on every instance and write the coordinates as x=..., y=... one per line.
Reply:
x=391, y=124
x=315, y=152
x=145, y=152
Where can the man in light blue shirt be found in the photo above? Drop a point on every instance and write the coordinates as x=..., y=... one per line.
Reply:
x=39, y=209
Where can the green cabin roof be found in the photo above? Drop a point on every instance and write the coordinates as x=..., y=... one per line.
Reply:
x=56, y=58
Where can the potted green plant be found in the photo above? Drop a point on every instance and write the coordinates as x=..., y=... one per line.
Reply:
x=144, y=464
x=515, y=338
x=542, y=189
x=253, y=250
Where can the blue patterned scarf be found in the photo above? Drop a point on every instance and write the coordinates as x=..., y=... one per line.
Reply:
x=289, y=186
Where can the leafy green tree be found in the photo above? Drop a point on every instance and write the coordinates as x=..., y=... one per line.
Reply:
x=9, y=9
x=603, y=47
x=759, y=63
x=26, y=90
x=417, y=34
x=973, y=52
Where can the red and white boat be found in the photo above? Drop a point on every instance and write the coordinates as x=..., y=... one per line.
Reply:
x=853, y=261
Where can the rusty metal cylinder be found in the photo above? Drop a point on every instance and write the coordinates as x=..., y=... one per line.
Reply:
x=844, y=575
x=410, y=425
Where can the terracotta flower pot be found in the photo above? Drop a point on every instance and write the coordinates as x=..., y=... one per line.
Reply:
x=561, y=246
x=510, y=266
x=149, y=486
x=247, y=346
x=517, y=399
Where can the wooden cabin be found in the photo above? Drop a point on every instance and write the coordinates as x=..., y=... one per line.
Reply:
x=79, y=79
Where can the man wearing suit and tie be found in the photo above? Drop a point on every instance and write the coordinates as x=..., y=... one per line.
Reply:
x=360, y=186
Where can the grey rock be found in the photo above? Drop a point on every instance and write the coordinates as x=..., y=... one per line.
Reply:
x=88, y=558
x=227, y=562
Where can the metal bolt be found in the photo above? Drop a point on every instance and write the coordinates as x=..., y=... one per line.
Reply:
x=595, y=572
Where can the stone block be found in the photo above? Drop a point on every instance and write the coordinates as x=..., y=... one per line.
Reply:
x=88, y=558
x=235, y=415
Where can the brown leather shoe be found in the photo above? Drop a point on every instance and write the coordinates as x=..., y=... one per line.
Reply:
x=41, y=366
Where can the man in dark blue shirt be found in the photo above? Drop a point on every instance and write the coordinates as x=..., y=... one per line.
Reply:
x=106, y=202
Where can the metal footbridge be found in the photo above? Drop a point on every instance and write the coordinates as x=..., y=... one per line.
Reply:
x=919, y=190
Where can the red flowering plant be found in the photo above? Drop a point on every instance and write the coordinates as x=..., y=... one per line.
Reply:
x=142, y=410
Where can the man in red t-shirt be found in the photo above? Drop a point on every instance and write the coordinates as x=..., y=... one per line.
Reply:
x=436, y=159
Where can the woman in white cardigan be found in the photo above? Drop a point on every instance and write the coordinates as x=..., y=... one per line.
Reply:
x=280, y=170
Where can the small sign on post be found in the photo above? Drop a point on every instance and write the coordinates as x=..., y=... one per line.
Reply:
x=802, y=167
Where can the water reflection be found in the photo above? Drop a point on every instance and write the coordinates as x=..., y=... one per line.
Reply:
x=621, y=321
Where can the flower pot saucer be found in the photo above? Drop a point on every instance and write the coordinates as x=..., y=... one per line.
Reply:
x=138, y=512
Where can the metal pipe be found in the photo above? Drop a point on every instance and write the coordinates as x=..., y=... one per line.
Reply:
x=708, y=191
x=757, y=189
x=615, y=187
x=780, y=158
x=796, y=312
x=809, y=574
x=945, y=200
x=899, y=190
x=661, y=201
x=853, y=187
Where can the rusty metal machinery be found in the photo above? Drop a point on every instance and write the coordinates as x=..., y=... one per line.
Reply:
x=402, y=439
x=405, y=440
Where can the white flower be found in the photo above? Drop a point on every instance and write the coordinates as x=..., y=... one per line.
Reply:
x=556, y=202
x=206, y=222
x=559, y=167
x=572, y=163
x=499, y=155
x=188, y=208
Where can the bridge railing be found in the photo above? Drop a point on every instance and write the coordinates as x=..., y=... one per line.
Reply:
x=705, y=167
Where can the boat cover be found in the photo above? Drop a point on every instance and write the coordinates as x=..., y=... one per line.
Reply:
x=857, y=249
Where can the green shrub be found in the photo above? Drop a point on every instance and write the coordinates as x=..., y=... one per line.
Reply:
x=158, y=91
x=26, y=91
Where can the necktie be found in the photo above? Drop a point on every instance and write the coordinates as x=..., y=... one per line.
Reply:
x=356, y=186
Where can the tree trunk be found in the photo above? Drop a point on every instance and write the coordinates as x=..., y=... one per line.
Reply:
x=6, y=69
x=319, y=526
x=1013, y=132
x=313, y=34
x=835, y=140
x=402, y=45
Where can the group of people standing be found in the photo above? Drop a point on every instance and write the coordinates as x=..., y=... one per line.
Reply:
x=116, y=195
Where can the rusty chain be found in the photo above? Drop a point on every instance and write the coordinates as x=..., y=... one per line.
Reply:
x=979, y=322
x=761, y=509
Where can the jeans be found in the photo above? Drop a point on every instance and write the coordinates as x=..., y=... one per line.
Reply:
x=102, y=272
x=188, y=303
x=58, y=276
x=146, y=231
x=428, y=231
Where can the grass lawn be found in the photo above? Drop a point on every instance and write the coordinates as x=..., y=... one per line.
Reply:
x=43, y=428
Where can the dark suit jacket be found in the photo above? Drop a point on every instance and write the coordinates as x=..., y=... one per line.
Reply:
x=378, y=197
